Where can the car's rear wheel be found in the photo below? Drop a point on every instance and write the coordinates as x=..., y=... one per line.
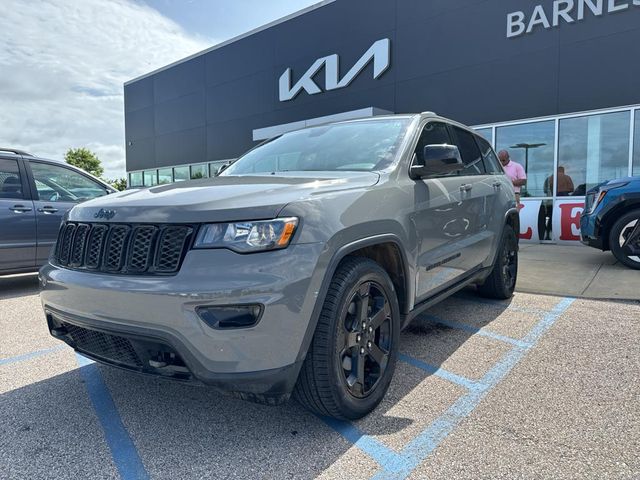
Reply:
x=501, y=282
x=352, y=356
x=624, y=239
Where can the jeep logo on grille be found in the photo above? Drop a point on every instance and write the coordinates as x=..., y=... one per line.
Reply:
x=106, y=214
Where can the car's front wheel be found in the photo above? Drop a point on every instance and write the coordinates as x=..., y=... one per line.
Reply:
x=624, y=239
x=352, y=356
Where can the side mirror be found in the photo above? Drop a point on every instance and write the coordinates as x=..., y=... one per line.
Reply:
x=437, y=160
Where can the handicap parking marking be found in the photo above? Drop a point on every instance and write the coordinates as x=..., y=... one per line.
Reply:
x=400, y=465
x=123, y=451
x=30, y=355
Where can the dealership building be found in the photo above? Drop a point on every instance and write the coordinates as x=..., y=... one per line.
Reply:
x=556, y=83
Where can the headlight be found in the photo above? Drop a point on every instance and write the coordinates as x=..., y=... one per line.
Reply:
x=248, y=237
x=603, y=192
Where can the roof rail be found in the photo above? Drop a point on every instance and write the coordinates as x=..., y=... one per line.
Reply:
x=16, y=151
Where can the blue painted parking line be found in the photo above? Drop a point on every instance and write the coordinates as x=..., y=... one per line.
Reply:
x=369, y=445
x=441, y=372
x=483, y=332
x=30, y=355
x=425, y=443
x=123, y=451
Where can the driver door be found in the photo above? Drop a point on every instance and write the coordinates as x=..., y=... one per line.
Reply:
x=58, y=189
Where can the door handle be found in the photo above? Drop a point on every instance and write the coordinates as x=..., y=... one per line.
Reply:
x=48, y=209
x=466, y=187
x=497, y=185
x=19, y=209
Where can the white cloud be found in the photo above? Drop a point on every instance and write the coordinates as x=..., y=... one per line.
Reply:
x=62, y=68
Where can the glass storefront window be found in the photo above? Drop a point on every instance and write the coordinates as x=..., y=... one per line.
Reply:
x=150, y=178
x=180, y=174
x=165, y=175
x=214, y=168
x=636, y=145
x=487, y=133
x=531, y=145
x=135, y=179
x=594, y=148
x=199, y=171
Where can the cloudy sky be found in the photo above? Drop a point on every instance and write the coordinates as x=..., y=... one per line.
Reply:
x=63, y=63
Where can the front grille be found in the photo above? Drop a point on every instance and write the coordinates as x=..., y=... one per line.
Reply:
x=122, y=248
x=109, y=347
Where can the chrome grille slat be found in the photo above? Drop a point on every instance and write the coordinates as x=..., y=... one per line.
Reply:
x=140, y=249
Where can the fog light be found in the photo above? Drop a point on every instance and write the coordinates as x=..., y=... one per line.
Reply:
x=230, y=317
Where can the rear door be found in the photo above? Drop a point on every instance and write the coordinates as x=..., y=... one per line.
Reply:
x=17, y=218
x=478, y=199
x=58, y=189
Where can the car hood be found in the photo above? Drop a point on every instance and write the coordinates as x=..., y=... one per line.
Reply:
x=219, y=199
x=615, y=181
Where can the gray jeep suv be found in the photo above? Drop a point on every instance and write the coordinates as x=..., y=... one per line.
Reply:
x=293, y=271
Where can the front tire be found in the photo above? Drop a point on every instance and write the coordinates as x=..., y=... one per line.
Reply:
x=353, y=353
x=501, y=282
x=624, y=239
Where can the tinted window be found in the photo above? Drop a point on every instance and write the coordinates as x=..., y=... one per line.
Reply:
x=135, y=179
x=491, y=162
x=180, y=174
x=199, y=171
x=10, y=182
x=434, y=133
x=592, y=149
x=532, y=146
x=150, y=178
x=469, y=151
x=165, y=175
x=60, y=184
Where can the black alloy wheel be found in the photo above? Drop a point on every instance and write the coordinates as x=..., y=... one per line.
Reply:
x=353, y=353
x=366, y=339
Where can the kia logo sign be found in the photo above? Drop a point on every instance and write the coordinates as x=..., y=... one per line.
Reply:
x=563, y=11
x=106, y=214
x=379, y=53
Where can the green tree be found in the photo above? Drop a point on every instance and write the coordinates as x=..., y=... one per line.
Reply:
x=85, y=159
x=118, y=183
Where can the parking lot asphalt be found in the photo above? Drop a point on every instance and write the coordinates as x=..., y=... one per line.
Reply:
x=535, y=387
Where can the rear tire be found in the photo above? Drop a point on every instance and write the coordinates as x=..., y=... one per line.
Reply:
x=501, y=282
x=624, y=227
x=353, y=353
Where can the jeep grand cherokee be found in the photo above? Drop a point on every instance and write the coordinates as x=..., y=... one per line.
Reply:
x=293, y=271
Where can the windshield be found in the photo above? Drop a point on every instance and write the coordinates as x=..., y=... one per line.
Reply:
x=356, y=146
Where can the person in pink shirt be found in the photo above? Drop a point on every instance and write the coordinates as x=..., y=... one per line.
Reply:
x=514, y=171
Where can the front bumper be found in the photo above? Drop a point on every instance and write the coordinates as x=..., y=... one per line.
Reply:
x=589, y=228
x=157, y=315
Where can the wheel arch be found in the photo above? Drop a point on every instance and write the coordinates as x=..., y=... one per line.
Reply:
x=365, y=247
x=612, y=216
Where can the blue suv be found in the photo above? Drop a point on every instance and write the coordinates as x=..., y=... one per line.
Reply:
x=611, y=219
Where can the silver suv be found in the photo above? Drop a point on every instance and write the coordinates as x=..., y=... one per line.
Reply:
x=293, y=271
